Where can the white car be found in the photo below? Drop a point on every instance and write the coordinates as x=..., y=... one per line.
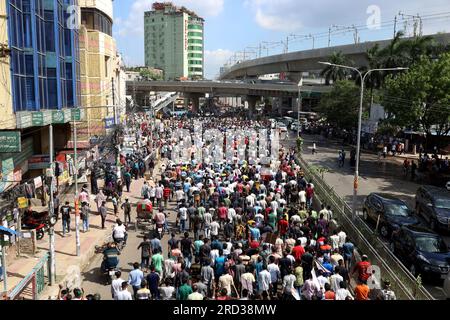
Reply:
x=448, y=185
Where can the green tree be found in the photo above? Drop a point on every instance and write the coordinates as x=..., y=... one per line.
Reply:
x=340, y=107
x=420, y=98
x=150, y=75
x=332, y=73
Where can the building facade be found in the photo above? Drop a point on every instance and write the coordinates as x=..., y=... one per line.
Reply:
x=100, y=66
x=174, y=41
x=7, y=116
x=40, y=83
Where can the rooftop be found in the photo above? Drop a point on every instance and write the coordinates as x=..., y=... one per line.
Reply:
x=170, y=8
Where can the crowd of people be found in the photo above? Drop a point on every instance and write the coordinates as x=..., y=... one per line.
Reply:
x=243, y=231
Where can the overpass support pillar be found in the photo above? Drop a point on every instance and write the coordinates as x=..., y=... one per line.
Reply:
x=195, y=103
x=252, y=100
x=194, y=98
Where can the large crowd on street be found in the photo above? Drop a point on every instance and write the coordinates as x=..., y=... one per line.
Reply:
x=241, y=228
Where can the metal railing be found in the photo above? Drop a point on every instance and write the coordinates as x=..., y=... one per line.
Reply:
x=402, y=281
x=33, y=284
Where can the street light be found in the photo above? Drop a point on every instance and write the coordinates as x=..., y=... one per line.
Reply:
x=300, y=84
x=358, y=145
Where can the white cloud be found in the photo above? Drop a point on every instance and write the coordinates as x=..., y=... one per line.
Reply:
x=293, y=15
x=214, y=60
x=134, y=24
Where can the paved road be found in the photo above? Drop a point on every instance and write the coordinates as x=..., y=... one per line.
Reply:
x=92, y=279
x=386, y=176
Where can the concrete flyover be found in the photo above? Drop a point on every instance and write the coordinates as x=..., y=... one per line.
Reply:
x=216, y=88
x=303, y=61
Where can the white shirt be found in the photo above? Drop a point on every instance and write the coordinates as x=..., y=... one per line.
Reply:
x=302, y=196
x=296, y=218
x=341, y=294
x=119, y=231
x=179, y=194
x=288, y=283
x=342, y=237
x=123, y=295
x=183, y=213
x=334, y=241
x=264, y=280
x=231, y=214
x=214, y=228
x=335, y=280
x=207, y=217
x=195, y=296
x=116, y=286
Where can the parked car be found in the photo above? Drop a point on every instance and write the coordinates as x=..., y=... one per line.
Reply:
x=422, y=251
x=433, y=204
x=392, y=211
x=447, y=185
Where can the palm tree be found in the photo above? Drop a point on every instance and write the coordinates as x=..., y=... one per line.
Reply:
x=332, y=73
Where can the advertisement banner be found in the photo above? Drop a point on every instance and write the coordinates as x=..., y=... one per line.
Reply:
x=7, y=175
x=109, y=123
x=22, y=202
x=76, y=114
x=37, y=119
x=58, y=117
x=10, y=142
x=37, y=162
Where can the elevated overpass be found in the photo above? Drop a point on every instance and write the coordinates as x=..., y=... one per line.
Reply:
x=195, y=89
x=303, y=61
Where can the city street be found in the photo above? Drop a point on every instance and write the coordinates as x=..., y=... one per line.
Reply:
x=384, y=177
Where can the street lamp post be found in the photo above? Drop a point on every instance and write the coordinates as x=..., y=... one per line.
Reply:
x=358, y=145
x=300, y=84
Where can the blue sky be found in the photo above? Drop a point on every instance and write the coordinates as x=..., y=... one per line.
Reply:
x=233, y=25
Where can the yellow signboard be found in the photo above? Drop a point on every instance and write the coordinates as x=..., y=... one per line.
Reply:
x=22, y=202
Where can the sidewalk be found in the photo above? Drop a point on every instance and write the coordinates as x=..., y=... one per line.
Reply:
x=68, y=265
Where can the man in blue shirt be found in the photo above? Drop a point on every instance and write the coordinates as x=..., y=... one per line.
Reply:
x=255, y=233
x=347, y=252
x=135, y=278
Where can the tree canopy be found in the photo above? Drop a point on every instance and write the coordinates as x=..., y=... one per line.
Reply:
x=340, y=107
x=420, y=98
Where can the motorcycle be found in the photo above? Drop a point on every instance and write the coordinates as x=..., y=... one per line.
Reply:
x=37, y=221
x=160, y=231
x=109, y=264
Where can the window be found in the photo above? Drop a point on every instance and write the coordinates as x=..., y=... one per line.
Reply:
x=94, y=19
x=196, y=41
x=106, y=66
x=195, y=34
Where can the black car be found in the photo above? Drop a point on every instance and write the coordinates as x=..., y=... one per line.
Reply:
x=421, y=250
x=393, y=213
x=433, y=204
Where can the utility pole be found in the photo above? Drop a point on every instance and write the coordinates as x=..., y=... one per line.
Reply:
x=51, y=230
x=5, y=275
x=329, y=36
x=356, y=34
x=77, y=216
x=287, y=45
x=395, y=26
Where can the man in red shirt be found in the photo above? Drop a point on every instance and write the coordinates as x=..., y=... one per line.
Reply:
x=309, y=195
x=298, y=250
x=223, y=214
x=283, y=226
x=166, y=195
x=362, y=267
